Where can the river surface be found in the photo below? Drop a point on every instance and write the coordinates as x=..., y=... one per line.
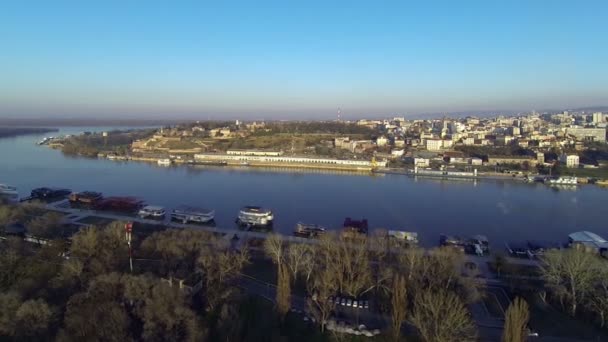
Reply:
x=502, y=210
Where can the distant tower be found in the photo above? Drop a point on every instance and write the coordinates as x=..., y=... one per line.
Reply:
x=339, y=113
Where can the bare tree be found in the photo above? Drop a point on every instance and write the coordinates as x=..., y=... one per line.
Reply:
x=516, y=321
x=33, y=318
x=283, y=291
x=570, y=273
x=321, y=286
x=49, y=225
x=352, y=266
x=398, y=305
x=441, y=316
x=220, y=266
x=597, y=302
x=411, y=263
x=273, y=246
x=445, y=265
x=298, y=256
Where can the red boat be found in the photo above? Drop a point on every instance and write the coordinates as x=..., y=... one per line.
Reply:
x=354, y=227
x=122, y=204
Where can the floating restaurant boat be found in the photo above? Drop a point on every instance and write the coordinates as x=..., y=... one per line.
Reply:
x=9, y=193
x=85, y=197
x=538, y=248
x=308, y=230
x=47, y=193
x=403, y=236
x=186, y=214
x=254, y=216
x=123, y=204
x=478, y=244
x=352, y=228
x=151, y=211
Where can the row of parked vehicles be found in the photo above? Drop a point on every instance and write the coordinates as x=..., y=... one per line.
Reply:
x=350, y=302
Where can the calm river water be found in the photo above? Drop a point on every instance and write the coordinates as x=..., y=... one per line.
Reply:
x=502, y=210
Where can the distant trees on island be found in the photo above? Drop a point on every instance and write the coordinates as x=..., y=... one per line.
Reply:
x=6, y=132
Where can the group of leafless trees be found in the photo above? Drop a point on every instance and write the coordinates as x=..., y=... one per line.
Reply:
x=576, y=279
x=425, y=288
x=84, y=290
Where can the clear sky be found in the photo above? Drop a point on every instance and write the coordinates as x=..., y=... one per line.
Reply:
x=299, y=59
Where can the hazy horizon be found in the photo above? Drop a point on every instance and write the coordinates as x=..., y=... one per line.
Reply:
x=282, y=61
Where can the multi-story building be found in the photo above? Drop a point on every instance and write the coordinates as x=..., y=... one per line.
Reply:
x=434, y=144
x=381, y=141
x=540, y=157
x=571, y=160
x=254, y=153
x=598, y=117
x=422, y=162
x=587, y=134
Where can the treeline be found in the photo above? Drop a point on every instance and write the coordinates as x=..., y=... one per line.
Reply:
x=483, y=152
x=84, y=289
x=88, y=293
x=90, y=144
x=317, y=127
x=6, y=132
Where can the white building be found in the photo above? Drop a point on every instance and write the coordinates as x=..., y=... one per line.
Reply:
x=598, y=117
x=382, y=141
x=434, y=144
x=397, y=153
x=254, y=153
x=469, y=141
x=571, y=160
x=207, y=157
x=422, y=162
x=476, y=161
x=588, y=134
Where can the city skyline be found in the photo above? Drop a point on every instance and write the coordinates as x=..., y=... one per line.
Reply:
x=276, y=61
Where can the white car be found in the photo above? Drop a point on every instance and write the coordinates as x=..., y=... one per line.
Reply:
x=349, y=302
x=355, y=304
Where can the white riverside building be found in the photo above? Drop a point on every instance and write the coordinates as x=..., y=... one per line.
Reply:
x=286, y=160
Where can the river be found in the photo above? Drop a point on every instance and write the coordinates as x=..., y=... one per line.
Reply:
x=502, y=210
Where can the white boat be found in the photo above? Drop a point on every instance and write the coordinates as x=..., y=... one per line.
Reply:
x=8, y=193
x=400, y=235
x=564, y=180
x=151, y=211
x=308, y=230
x=164, y=162
x=187, y=214
x=254, y=216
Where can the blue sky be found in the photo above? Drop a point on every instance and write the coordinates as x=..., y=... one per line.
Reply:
x=304, y=59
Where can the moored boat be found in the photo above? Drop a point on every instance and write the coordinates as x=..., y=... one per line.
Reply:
x=122, y=204
x=188, y=214
x=164, y=162
x=254, y=216
x=308, y=230
x=403, y=236
x=151, y=211
x=564, y=180
x=48, y=193
x=85, y=197
x=8, y=193
x=352, y=228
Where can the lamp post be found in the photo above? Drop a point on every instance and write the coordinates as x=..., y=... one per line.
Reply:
x=128, y=231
